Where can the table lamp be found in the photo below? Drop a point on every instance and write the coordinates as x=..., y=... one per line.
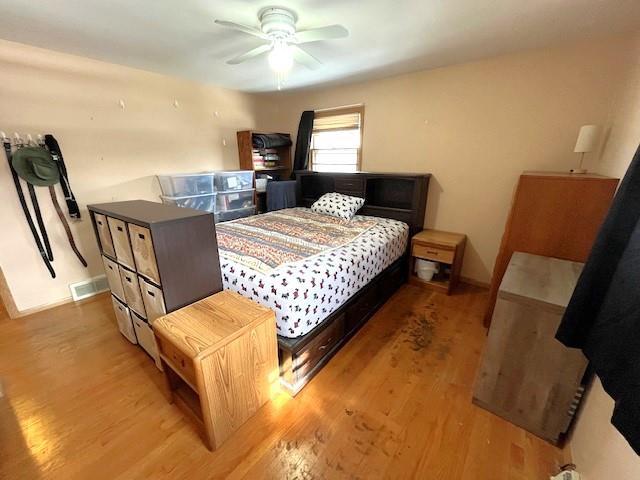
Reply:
x=587, y=142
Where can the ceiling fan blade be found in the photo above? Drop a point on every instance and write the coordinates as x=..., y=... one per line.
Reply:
x=250, y=54
x=243, y=28
x=305, y=58
x=323, y=33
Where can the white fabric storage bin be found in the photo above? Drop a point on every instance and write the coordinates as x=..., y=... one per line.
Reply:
x=261, y=184
x=181, y=185
x=233, y=200
x=426, y=269
x=198, y=202
x=237, y=180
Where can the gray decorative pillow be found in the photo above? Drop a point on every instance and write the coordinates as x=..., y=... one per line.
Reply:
x=338, y=205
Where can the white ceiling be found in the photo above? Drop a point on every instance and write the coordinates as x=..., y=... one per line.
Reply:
x=178, y=37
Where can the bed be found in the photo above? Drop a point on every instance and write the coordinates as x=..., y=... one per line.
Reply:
x=324, y=277
x=305, y=265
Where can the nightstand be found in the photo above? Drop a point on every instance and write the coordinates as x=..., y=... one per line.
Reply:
x=220, y=361
x=446, y=248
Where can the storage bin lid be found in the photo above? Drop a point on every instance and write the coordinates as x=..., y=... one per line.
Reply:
x=200, y=195
x=538, y=280
x=244, y=190
x=205, y=326
x=174, y=175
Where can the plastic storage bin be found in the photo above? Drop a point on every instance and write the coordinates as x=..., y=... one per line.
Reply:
x=237, y=180
x=234, y=214
x=185, y=184
x=233, y=200
x=199, y=202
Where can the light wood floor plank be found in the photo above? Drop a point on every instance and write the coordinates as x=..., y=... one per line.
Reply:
x=81, y=402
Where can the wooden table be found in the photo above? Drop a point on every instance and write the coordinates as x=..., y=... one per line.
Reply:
x=220, y=360
x=446, y=248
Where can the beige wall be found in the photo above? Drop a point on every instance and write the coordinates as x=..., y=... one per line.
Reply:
x=111, y=154
x=475, y=127
x=598, y=449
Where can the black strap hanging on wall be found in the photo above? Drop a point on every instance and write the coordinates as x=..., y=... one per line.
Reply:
x=25, y=210
x=43, y=230
x=67, y=229
x=56, y=152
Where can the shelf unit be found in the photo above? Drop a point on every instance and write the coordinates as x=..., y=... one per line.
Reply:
x=445, y=248
x=245, y=155
x=157, y=259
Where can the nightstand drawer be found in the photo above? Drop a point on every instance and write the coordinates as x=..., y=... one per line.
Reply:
x=432, y=253
x=180, y=362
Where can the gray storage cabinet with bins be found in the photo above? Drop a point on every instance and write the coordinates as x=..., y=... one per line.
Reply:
x=228, y=194
x=157, y=259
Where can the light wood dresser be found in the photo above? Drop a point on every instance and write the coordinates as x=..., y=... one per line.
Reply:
x=554, y=215
x=157, y=258
x=526, y=376
x=220, y=360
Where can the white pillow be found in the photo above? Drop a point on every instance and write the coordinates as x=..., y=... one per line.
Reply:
x=338, y=205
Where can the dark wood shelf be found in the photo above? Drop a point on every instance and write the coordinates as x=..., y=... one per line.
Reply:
x=245, y=155
x=389, y=209
x=270, y=169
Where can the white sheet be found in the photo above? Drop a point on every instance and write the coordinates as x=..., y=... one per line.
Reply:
x=304, y=293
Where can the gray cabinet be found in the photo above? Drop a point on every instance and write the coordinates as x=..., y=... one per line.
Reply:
x=526, y=376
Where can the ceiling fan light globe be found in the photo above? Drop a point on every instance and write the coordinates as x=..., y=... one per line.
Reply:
x=281, y=58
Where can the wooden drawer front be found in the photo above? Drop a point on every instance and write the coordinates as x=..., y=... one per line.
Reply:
x=146, y=339
x=152, y=299
x=350, y=186
x=123, y=318
x=132, y=293
x=113, y=278
x=314, y=351
x=121, y=242
x=432, y=253
x=104, y=234
x=358, y=312
x=143, y=252
x=181, y=363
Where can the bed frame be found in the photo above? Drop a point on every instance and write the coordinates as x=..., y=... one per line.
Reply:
x=397, y=196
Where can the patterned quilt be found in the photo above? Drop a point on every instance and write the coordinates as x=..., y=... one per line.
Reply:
x=306, y=290
x=264, y=242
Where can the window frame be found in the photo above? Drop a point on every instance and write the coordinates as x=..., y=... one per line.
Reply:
x=330, y=112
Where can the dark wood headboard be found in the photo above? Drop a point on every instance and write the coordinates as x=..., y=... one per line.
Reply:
x=399, y=196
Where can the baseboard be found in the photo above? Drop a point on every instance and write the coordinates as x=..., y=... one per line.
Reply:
x=41, y=308
x=48, y=306
x=475, y=283
x=7, y=298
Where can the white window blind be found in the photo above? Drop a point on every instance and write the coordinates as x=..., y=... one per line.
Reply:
x=336, y=140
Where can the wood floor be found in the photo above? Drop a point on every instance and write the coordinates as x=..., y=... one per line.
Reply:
x=81, y=402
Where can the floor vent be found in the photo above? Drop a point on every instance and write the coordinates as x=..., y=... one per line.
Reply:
x=89, y=288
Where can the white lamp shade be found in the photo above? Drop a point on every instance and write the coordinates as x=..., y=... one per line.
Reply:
x=587, y=139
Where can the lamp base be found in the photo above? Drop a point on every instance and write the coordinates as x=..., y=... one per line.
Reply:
x=578, y=170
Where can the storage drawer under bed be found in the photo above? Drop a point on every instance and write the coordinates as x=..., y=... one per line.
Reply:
x=302, y=362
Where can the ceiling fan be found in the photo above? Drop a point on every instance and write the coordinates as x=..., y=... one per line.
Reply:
x=278, y=29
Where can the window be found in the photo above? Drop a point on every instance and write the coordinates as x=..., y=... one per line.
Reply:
x=336, y=141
